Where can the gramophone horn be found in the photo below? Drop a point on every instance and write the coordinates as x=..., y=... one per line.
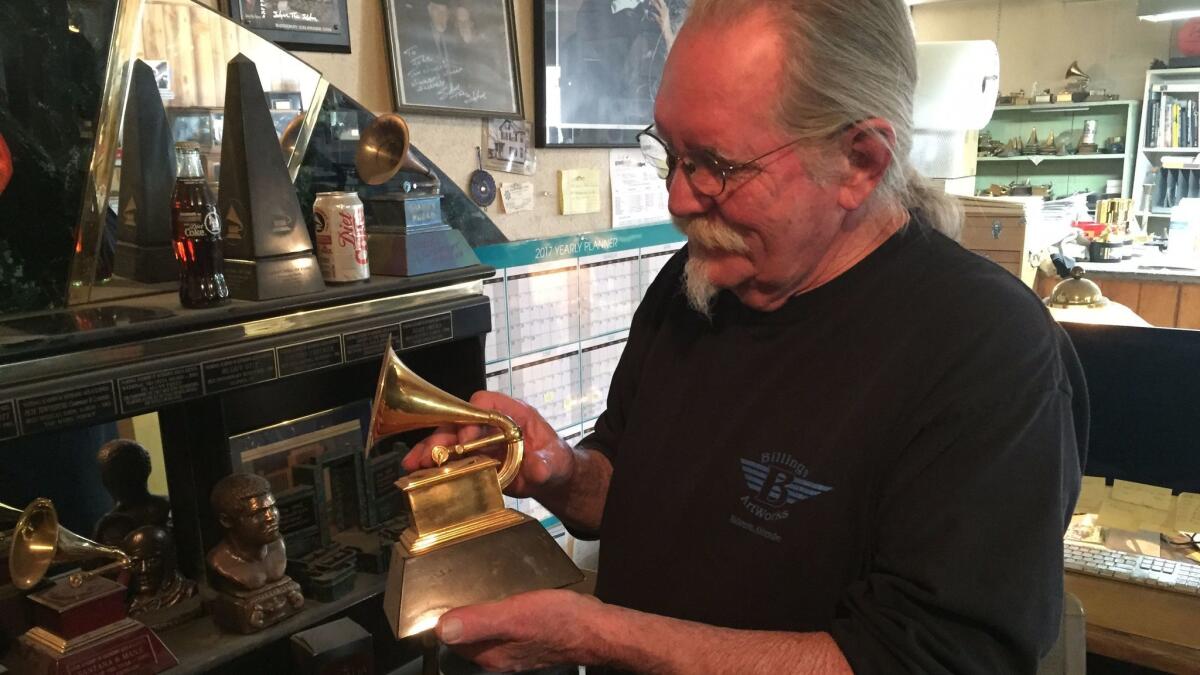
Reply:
x=1074, y=71
x=404, y=402
x=39, y=541
x=384, y=150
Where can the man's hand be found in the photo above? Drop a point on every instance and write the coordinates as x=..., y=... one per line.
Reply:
x=549, y=462
x=526, y=631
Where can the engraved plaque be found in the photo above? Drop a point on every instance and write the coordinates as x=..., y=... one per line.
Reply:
x=431, y=329
x=239, y=371
x=308, y=356
x=365, y=344
x=8, y=420
x=72, y=407
x=143, y=392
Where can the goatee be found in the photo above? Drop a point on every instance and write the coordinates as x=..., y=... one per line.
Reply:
x=705, y=233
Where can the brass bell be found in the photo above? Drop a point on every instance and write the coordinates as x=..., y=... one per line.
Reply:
x=463, y=546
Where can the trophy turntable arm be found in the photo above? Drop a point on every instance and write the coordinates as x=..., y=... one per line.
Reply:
x=510, y=435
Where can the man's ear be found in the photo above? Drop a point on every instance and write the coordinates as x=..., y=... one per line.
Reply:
x=868, y=149
x=225, y=521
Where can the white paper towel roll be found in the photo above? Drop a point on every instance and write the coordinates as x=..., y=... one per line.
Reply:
x=956, y=84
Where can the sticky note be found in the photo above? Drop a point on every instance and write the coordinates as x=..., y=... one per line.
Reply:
x=1140, y=493
x=578, y=191
x=1120, y=515
x=1187, y=512
x=1092, y=492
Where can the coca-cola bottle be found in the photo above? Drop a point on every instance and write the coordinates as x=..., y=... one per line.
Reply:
x=197, y=233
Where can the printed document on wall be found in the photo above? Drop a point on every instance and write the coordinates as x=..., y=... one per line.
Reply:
x=639, y=196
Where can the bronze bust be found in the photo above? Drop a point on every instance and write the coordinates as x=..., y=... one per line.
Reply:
x=251, y=554
x=125, y=470
x=157, y=583
x=248, y=566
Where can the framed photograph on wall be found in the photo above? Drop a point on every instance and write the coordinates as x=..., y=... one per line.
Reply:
x=455, y=57
x=300, y=25
x=598, y=65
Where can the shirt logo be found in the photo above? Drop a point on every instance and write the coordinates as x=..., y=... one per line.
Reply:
x=777, y=481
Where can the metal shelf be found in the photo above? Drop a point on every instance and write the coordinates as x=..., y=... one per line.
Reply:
x=1172, y=151
x=1063, y=107
x=1046, y=158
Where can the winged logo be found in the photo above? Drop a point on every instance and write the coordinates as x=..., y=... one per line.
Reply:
x=779, y=486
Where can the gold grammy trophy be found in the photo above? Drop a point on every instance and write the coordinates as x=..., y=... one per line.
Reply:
x=463, y=546
x=81, y=622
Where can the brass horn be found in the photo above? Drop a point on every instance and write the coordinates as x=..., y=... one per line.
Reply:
x=404, y=402
x=462, y=545
x=384, y=149
x=1074, y=71
x=38, y=541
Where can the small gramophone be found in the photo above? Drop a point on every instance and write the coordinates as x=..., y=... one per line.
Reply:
x=463, y=546
x=406, y=234
x=81, y=621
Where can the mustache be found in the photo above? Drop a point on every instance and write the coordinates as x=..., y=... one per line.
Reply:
x=710, y=233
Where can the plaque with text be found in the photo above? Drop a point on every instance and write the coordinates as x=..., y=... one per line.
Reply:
x=8, y=420
x=143, y=392
x=73, y=407
x=308, y=356
x=431, y=329
x=366, y=344
x=239, y=371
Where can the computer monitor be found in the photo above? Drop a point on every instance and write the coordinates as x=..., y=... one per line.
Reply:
x=1144, y=388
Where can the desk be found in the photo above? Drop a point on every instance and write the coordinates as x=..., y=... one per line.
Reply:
x=1137, y=624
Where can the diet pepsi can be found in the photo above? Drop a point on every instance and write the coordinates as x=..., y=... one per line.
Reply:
x=341, y=244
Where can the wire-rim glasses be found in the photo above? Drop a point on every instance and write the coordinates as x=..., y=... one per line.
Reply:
x=706, y=173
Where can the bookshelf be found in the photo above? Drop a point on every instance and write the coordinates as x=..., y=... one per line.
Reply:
x=1155, y=188
x=1067, y=174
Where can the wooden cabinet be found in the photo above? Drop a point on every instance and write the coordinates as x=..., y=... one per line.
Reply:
x=1166, y=304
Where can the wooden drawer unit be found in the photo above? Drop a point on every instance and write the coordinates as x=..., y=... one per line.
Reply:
x=996, y=230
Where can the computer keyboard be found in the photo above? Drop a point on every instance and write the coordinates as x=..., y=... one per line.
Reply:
x=1136, y=569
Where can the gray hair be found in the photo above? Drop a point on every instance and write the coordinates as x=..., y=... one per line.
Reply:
x=846, y=61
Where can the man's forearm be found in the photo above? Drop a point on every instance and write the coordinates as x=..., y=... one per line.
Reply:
x=579, y=501
x=657, y=645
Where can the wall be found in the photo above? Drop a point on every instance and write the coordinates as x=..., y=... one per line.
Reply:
x=1039, y=39
x=450, y=142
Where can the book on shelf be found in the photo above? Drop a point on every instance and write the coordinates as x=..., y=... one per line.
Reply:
x=1173, y=120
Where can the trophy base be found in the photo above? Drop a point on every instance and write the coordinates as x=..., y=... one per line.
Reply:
x=418, y=252
x=126, y=646
x=271, y=278
x=519, y=558
x=251, y=611
x=169, y=617
x=70, y=612
x=147, y=264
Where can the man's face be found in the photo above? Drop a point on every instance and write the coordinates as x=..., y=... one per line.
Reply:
x=767, y=234
x=149, y=566
x=257, y=523
x=439, y=15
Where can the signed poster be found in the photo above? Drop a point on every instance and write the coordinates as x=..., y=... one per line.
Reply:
x=313, y=25
x=454, y=57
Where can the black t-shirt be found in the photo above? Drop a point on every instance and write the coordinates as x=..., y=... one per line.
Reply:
x=891, y=457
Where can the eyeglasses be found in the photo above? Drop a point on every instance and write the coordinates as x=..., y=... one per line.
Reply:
x=706, y=172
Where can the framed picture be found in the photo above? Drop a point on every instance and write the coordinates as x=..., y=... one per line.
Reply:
x=455, y=57
x=598, y=65
x=301, y=25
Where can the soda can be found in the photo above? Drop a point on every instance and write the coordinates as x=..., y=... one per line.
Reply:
x=341, y=244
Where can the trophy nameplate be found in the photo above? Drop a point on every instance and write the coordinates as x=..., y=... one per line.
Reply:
x=268, y=253
x=410, y=237
x=85, y=629
x=144, y=231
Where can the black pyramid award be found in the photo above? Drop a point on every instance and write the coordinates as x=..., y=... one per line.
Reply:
x=147, y=179
x=267, y=250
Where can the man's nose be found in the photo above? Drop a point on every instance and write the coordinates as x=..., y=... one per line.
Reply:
x=683, y=200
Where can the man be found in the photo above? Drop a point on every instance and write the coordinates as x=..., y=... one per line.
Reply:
x=125, y=472
x=157, y=583
x=836, y=440
x=252, y=553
